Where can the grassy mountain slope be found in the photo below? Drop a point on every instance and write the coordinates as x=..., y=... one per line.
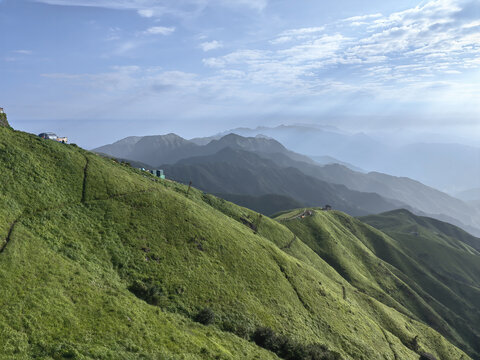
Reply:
x=266, y=204
x=99, y=261
x=446, y=252
x=379, y=266
x=232, y=171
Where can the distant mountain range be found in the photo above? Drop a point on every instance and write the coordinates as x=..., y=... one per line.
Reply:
x=243, y=168
x=328, y=160
x=170, y=148
x=470, y=195
x=445, y=166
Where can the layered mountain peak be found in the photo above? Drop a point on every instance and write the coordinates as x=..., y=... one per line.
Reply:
x=257, y=143
x=169, y=140
x=170, y=148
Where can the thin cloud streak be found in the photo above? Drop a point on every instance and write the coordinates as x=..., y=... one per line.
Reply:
x=159, y=8
x=159, y=30
x=211, y=45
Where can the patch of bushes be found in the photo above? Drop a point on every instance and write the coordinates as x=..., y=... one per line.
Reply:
x=426, y=356
x=248, y=223
x=414, y=345
x=289, y=349
x=283, y=346
x=150, y=293
x=240, y=328
x=206, y=316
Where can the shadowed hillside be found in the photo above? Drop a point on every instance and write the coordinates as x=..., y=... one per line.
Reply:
x=232, y=171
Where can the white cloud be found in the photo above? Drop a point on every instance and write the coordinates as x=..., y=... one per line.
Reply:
x=159, y=30
x=158, y=8
x=303, y=31
x=211, y=45
x=23, y=52
x=297, y=34
x=361, y=18
x=324, y=47
x=214, y=62
x=397, y=51
x=148, y=13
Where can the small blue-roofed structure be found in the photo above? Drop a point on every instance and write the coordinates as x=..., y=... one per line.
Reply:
x=160, y=174
x=48, y=135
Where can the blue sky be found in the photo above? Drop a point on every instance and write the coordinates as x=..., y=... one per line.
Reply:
x=99, y=70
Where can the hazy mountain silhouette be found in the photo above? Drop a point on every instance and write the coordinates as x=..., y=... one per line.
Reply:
x=449, y=167
x=470, y=195
x=151, y=150
x=168, y=149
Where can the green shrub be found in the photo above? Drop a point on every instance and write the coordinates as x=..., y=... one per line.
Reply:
x=266, y=338
x=240, y=328
x=150, y=293
x=205, y=316
x=426, y=356
x=289, y=349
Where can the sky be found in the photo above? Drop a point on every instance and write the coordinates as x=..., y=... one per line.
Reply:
x=100, y=70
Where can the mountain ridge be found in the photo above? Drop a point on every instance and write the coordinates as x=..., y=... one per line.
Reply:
x=168, y=149
x=232, y=171
x=449, y=167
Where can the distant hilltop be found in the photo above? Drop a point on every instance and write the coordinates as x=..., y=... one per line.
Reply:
x=3, y=118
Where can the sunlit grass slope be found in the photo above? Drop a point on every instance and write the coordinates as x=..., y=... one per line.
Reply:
x=448, y=255
x=98, y=261
x=380, y=266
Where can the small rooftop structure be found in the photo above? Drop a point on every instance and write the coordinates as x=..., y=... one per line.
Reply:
x=160, y=174
x=157, y=173
x=48, y=135
x=1, y=110
x=53, y=136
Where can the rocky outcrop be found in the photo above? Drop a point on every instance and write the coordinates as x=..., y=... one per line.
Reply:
x=3, y=120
